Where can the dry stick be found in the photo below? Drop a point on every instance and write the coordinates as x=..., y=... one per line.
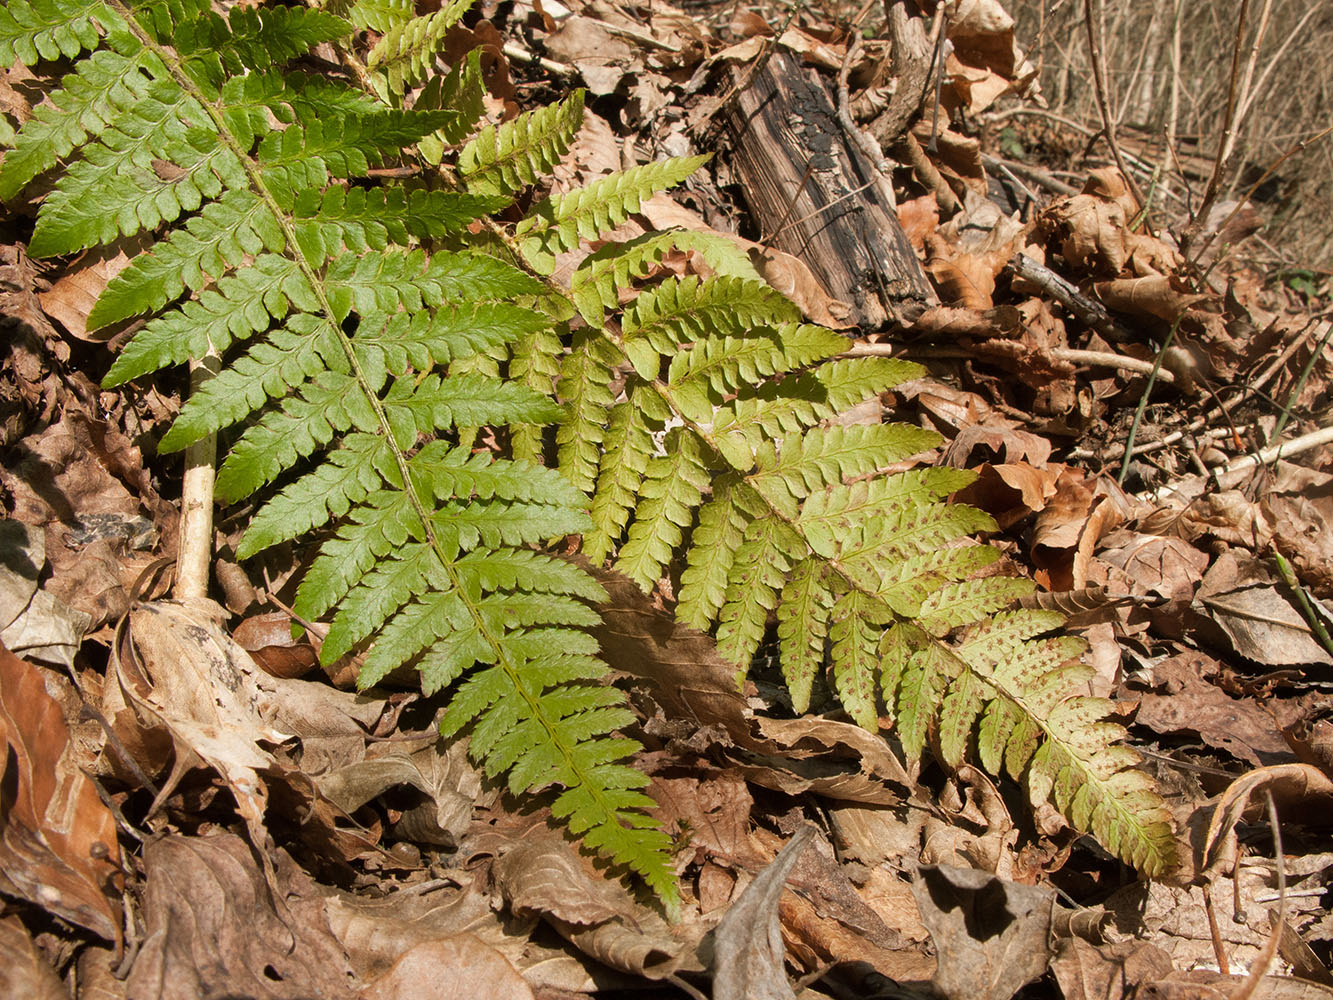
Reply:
x=1240, y=204
x=1234, y=473
x=1280, y=362
x=1245, y=96
x=1295, y=393
x=1108, y=124
x=1223, y=141
x=1092, y=313
x=1098, y=359
x=1039, y=177
x=881, y=170
x=940, y=41
x=196, y=529
x=1173, y=108
x=1292, y=35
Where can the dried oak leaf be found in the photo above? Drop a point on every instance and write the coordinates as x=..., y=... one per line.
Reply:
x=58, y=845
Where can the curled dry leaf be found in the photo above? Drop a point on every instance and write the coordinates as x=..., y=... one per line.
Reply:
x=1288, y=783
x=747, y=945
x=174, y=671
x=543, y=875
x=58, y=845
x=1156, y=296
x=790, y=276
x=178, y=671
x=268, y=639
x=450, y=787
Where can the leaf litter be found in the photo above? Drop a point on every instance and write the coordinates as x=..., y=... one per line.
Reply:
x=183, y=815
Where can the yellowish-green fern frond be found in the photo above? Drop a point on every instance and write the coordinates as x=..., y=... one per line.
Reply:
x=502, y=159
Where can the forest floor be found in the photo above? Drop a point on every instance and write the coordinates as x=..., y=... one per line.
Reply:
x=1151, y=430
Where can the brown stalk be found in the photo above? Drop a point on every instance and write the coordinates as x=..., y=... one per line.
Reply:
x=1103, y=105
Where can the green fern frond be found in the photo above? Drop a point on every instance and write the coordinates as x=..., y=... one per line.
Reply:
x=587, y=213
x=219, y=238
x=679, y=310
x=379, y=15
x=673, y=486
x=462, y=93
x=391, y=372
x=99, y=89
x=354, y=359
x=30, y=32
x=504, y=158
x=407, y=50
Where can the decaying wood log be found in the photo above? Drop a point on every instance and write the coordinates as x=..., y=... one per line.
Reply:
x=816, y=196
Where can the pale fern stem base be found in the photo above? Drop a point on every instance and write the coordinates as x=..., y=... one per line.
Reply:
x=196, y=531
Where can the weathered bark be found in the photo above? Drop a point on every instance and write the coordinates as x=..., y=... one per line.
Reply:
x=913, y=59
x=814, y=194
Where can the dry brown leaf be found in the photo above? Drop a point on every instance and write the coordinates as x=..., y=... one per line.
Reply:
x=375, y=933
x=812, y=50
x=1186, y=703
x=747, y=945
x=1004, y=440
x=456, y=968
x=216, y=929
x=58, y=846
x=450, y=788
x=964, y=281
x=1168, y=567
x=1158, y=296
x=71, y=298
x=25, y=974
x=34, y=624
x=790, y=276
x=686, y=674
x=602, y=56
x=992, y=936
x=174, y=671
x=919, y=217
x=982, y=33
x=178, y=671
x=268, y=639
x=714, y=812
x=1089, y=232
x=542, y=874
x=1239, y=604
x=1086, y=971
x=71, y=480
x=96, y=971
x=1009, y=492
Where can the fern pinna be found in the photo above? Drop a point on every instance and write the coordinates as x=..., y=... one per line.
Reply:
x=696, y=423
